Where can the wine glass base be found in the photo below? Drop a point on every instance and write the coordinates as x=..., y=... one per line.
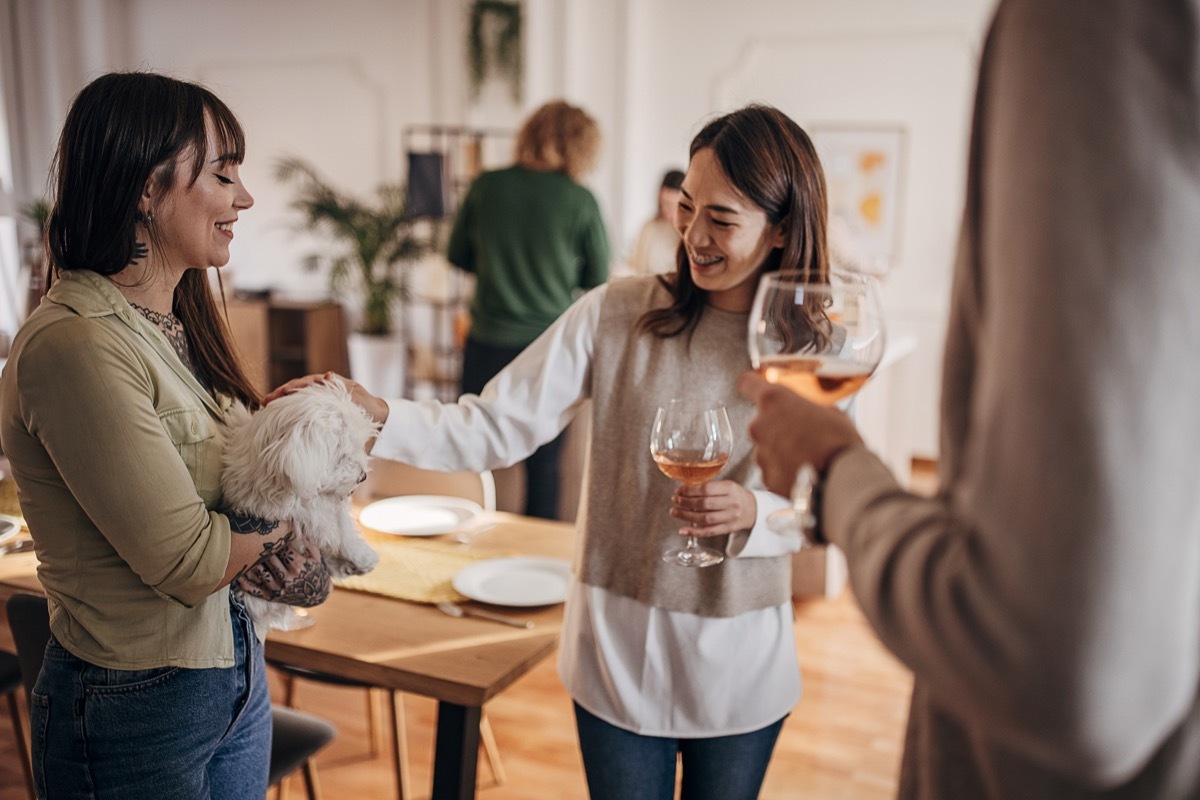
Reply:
x=693, y=556
x=299, y=619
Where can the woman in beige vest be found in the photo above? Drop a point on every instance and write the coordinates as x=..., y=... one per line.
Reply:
x=662, y=660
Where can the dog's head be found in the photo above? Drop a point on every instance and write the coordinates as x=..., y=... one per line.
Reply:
x=311, y=442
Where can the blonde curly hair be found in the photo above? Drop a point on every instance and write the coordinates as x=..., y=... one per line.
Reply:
x=559, y=137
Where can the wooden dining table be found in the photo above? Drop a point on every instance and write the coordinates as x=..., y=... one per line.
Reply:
x=413, y=647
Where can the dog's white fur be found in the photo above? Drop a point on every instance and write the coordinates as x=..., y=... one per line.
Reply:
x=298, y=459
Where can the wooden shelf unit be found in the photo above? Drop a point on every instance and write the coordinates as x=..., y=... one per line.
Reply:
x=283, y=339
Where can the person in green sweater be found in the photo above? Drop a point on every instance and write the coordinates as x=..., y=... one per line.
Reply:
x=533, y=236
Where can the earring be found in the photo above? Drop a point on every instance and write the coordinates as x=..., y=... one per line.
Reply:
x=146, y=218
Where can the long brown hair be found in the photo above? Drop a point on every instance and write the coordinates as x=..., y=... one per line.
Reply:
x=122, y=128
x=772, y=162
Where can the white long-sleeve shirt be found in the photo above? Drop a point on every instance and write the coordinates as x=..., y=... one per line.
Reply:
x=644, y=669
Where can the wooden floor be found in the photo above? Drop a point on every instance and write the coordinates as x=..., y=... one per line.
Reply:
x=842, y=741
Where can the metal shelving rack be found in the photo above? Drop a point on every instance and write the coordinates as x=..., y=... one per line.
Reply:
x=448, y=157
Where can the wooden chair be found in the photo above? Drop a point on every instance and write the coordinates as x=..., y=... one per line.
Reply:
x=295, y=737
x=393, y=479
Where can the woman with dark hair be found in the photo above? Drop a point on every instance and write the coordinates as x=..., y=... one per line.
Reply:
x=662, y=660
x=111, y=407
x=532, y=235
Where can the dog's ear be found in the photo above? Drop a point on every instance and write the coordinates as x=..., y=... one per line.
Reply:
x=301, y=454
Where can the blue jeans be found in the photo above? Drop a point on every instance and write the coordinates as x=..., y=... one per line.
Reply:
x=627, y=766
x=155, y=734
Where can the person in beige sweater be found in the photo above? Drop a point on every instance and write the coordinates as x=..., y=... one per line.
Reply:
x=1047, y=598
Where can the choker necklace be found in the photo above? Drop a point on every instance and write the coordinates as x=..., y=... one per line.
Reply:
x=171, y=327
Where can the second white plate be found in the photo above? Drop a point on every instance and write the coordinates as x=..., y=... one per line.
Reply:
x=9, y=527
x=419, y=514
x=523, y=581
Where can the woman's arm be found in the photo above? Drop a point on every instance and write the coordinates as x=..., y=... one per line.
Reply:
x=593, y=248
x=523, y=407
x=88, y=399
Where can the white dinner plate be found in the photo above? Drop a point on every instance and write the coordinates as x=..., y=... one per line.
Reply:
x=523, y=581
x=419, y=514
x=9, y=527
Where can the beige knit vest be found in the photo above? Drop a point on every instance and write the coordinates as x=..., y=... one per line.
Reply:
x=626, y=524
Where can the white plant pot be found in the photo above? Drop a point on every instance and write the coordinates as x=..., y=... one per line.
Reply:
x=379, y=363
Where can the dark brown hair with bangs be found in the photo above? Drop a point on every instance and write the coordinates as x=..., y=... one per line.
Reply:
x=772, y=162
x=122, y=128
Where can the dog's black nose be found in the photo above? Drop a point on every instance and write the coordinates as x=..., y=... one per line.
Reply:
x=362, y=477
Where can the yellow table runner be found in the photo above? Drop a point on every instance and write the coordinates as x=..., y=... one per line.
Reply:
x=419, y=570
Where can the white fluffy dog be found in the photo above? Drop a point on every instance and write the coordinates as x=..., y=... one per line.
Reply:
x=298, y=459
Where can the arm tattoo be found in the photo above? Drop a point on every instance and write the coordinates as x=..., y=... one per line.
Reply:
x=309, y=588
x=279, y=547
x=248, y=523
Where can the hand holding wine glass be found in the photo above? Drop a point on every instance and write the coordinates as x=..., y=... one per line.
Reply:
x=691, y=443
x=822, y=340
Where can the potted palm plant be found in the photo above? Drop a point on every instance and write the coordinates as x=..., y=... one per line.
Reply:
x=377, y=242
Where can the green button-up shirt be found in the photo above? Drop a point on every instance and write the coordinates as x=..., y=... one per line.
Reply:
x=115, y=450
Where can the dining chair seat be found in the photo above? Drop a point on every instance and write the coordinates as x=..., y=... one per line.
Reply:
x=295, y=737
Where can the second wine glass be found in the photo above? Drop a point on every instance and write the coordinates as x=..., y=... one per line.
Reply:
x=822, y=339
x=691, y=442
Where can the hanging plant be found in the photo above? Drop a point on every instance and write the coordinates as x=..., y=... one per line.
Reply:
x=494, y=42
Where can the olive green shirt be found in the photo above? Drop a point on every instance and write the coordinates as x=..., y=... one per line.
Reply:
x=115, y=450
x=532, y=238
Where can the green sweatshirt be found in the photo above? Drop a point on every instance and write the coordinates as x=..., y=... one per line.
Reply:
x=532, y=238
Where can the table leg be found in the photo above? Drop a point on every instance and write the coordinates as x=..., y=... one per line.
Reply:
x=456, y=752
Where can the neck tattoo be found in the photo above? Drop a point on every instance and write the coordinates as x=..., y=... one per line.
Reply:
x=172, y=328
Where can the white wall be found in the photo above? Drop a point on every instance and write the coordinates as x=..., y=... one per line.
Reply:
x=337, y=82
x=333, y=83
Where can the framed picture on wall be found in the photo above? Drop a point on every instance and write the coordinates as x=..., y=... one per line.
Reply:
x=864, y=167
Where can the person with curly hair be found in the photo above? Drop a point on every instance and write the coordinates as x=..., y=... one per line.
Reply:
x=533, y=236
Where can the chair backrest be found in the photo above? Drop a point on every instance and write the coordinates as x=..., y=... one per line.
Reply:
x=393, y=479
x=29, y=621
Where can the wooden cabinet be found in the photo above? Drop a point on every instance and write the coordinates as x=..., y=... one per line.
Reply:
x=281, y=340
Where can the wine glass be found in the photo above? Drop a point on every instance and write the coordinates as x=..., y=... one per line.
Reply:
x=691, y=443
x=822, y=340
